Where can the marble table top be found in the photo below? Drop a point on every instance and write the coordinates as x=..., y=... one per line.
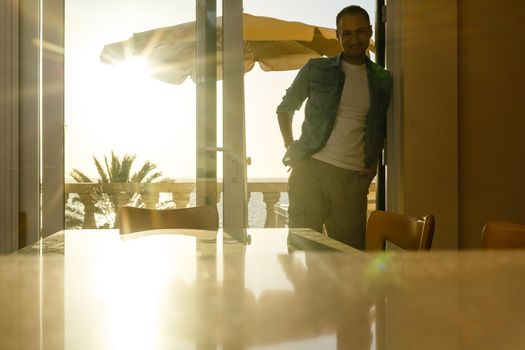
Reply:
x=145, y=292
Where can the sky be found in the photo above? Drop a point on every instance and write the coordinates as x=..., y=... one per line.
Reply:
x=120, y=108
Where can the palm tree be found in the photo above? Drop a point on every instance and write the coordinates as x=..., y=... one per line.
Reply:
x=117, y=170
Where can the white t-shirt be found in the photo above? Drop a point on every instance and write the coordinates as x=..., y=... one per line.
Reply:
x=346, y=147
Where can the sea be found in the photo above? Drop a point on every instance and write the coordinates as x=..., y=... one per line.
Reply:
x=256, y=208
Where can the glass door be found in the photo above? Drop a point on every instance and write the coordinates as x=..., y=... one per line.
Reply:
x=130, y=124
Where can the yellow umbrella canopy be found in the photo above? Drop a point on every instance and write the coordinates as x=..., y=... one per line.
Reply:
x=276, y=44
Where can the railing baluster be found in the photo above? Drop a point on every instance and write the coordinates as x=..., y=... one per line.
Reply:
x=270, y=199
x=89, y=210
x=150, y=199
x=181, y=199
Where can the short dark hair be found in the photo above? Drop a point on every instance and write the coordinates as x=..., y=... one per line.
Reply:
x=352, y=10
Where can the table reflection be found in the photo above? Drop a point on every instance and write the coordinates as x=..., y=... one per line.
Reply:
x=193, y=288
x=158, y=301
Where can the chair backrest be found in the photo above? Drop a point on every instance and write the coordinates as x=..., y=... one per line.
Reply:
x=503, y=235
x=139, y=219
x=407, y=232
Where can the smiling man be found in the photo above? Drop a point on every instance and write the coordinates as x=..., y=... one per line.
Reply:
x=335, y=158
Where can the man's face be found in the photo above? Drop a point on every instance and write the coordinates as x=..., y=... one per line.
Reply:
x=354, y=33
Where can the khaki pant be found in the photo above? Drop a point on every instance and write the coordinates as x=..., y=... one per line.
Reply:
x=323, y=194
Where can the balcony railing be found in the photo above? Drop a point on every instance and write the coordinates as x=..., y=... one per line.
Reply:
x=151, y=193
x=180, y=197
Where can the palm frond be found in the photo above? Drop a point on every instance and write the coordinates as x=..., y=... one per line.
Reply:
x=79, y=176
x=140, y=175
x=112, y=167
x=101, y=173
x=125, y=167
x=152, y=177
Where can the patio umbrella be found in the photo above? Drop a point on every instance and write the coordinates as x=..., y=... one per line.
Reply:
x=276, y=44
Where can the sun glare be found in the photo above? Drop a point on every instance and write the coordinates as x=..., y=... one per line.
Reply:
x=133, y=68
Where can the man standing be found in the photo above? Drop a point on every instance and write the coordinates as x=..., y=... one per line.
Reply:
x=336, y=156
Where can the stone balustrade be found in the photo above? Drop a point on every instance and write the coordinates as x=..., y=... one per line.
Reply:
x=150, y=194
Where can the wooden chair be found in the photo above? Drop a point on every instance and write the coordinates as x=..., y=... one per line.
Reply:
x=139, y=219
x=503, y=235
x=407, y=232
